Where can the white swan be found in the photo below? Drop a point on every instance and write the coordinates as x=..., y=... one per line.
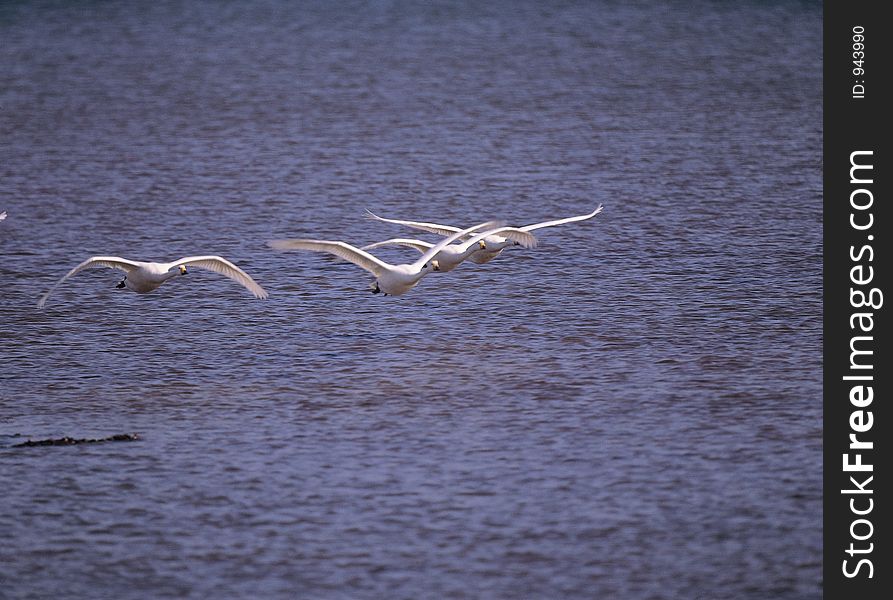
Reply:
x=453, y=255
x=389, y=279
x=2, y=215
x=495, y=244
x=143, y=277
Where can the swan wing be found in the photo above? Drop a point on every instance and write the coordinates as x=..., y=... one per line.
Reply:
x=113, y=262
x=433, y=250
x=408, y=243
x=563, y=221
x=525, y=238
x=359, y=257
x=430, y=227
x=218, y=264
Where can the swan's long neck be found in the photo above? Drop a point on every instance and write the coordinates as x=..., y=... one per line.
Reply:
x=416, y=277
x=170, y=274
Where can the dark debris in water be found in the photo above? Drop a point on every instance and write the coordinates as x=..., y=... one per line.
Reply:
x=69, y=441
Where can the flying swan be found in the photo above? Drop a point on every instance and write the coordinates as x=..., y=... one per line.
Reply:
x=453, y=255
x=495, y=243
x=143, y=277
x=389, y=279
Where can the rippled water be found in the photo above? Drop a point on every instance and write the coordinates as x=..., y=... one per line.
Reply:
x=632, y=410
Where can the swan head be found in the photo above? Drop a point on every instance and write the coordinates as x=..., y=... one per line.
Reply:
x=482, y=245
x=435, y=265
x=183, y=270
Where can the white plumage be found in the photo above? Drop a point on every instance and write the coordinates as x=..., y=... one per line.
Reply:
x=453, y=255
x=390, y=279
x=495, y=244
x=143, y=277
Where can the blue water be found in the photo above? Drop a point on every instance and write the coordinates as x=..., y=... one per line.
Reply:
x=630, y=410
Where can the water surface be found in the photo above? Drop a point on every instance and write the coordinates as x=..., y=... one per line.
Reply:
x=631, y=410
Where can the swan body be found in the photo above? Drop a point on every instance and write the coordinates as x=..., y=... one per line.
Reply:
x=495, y=244
x=453, y=255
x=143, y=277
x=390, y=279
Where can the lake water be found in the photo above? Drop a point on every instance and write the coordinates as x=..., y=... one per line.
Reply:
x=631, y=410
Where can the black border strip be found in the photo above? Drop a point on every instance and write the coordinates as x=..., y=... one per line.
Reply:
x=856, y=109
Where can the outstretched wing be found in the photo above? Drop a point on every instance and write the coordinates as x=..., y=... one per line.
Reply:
x=220, y=265
x=430, y=227
x=360, y=258
x=563, y=221
x=113, y=262
x=526, y=239
x=408, y=243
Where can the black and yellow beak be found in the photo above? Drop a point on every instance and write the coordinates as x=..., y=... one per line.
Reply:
x=435, y=265
x=183, y=270
x=482, y=245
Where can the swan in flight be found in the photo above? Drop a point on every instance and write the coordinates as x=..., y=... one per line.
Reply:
x=389, y=279
x=495, y=243
x=2, y=215
x=453, y=255
x=143, y=277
